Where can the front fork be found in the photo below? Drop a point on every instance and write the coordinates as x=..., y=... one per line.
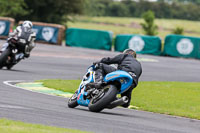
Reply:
x=12, y=57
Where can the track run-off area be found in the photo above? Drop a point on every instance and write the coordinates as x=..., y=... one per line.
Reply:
x=59, y=62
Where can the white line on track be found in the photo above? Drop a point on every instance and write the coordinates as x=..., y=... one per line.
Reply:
x=19, y=107
x=14, y=81
x=11, y=106
x=9, y=83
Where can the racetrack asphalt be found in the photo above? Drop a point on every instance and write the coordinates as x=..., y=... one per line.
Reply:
x=56, y=62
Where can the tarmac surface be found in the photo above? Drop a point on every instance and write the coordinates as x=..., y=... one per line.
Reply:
x=58, y=62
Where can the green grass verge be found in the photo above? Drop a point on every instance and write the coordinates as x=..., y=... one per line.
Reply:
x=9, y=126
x=121, y=25
x=164, y=23
x=62, y=85
x=174, y=98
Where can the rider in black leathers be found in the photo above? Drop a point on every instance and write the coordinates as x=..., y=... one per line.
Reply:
x=24, y=32
x=126, y=62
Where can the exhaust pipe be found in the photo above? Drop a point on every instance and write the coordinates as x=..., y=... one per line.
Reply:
x=118, y=102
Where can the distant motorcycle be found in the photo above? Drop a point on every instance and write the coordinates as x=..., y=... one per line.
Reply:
x=12, y=52
x=97, y=99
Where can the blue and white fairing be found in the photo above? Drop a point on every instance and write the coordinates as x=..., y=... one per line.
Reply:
x=87, y=78
x=123, y=77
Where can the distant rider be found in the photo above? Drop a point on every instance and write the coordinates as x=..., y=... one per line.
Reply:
x=126, y=62
x=24, y=32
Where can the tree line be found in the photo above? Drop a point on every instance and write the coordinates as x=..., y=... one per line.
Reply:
x=53, y=11
x=60, y=11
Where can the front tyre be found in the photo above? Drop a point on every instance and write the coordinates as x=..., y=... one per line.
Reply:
x=9, y=66
x=72, y=102
x=4, y=56
x=105, y=97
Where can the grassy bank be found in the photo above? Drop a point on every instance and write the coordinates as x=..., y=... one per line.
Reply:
x=123, y=25
x=9, y=126
x=174, y=98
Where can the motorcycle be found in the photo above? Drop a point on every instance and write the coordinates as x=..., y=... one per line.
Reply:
x=12, y=52
x=97, y=99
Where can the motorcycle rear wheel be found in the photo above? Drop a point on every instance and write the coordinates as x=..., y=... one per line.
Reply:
x=108, y=95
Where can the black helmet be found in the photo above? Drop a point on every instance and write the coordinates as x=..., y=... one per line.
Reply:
x=130, y=52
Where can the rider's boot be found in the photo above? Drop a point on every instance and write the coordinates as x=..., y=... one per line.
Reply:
x=97, y=84
x=98, y=79
x=94, y=85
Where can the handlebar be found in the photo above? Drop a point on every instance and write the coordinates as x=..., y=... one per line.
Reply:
x=13, y=40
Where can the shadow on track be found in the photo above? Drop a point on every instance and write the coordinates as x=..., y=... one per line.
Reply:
x=14, y=70
x=105, y=112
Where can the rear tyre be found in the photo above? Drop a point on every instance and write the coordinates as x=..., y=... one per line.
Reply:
x=3, y=57
x=106, y=96
x=72, y=102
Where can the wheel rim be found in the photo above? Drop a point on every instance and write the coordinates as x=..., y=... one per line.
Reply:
x=74, y=97
x=100, y=95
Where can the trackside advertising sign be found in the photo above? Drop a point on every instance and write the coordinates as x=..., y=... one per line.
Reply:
x=87, y=38
x=46, y=33
x=4, y=28
x=140, y=44
x=182, y=46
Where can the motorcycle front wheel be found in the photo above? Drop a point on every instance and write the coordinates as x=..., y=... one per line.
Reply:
x=72, y=102
x=9, y=66
x=104, y=98
x=3, y=57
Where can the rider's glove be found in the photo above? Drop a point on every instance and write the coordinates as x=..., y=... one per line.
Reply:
x=96, y=63
x=12, y=39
